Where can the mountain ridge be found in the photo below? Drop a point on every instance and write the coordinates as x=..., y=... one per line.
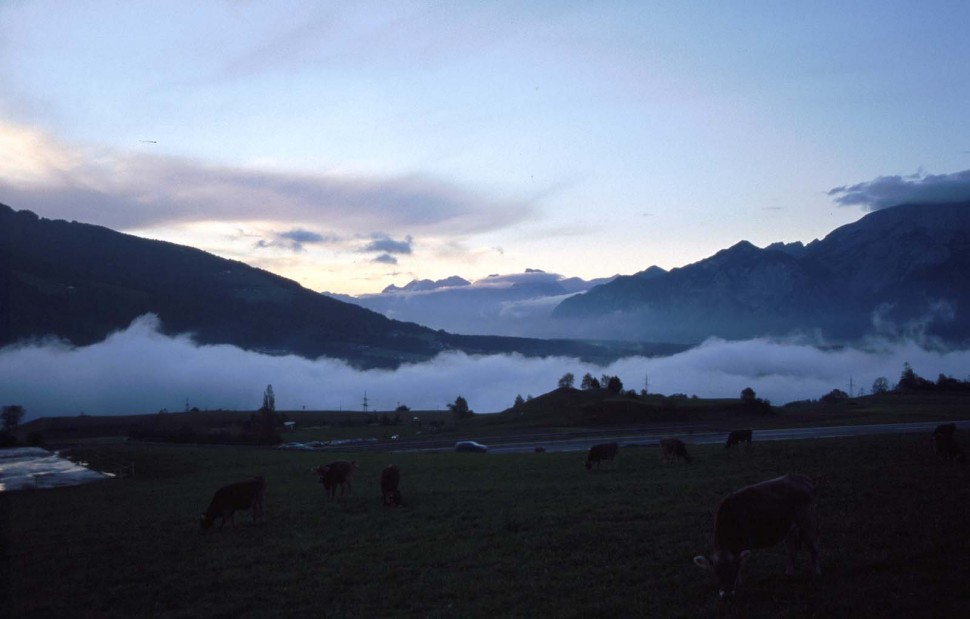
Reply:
x=899, y=262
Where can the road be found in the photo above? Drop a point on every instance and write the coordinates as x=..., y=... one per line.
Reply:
x=697, y=435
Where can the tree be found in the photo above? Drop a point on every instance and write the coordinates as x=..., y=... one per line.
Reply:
x=459, y=408
x=589, y=382
x=748, y=396
x=567, y=380
x=518, y=401
x=614, y=384
x=835, y=396
x=269, y=400
x=11, y=417
x=880, y=385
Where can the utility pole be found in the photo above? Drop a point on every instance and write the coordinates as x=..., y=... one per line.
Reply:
x=850, y=386
x=365, y=401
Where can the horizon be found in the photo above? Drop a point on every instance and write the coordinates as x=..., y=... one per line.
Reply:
x=351, y=147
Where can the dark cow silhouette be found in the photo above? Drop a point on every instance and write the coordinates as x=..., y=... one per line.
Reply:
x=240, y=495
x=738, y=436
x=390, y=480
x=673, y=448
x=760, y=516
x=540, y=450
x=945, y=428
x=598, y=453
x=337, y=473
x=946, y=446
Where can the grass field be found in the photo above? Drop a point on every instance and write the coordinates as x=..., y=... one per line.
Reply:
x=528, y=535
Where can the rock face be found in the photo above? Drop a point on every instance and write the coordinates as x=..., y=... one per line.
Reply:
x=895, y=271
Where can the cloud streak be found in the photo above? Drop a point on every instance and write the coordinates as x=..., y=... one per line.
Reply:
x=140, y=370
x=137, y=190
x=885, y=191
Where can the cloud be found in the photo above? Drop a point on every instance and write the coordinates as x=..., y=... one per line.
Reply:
x=294, y=240
x=125, y=190
x=886, y=191
x=385, y=259
x=388, y=245
x=139, y=370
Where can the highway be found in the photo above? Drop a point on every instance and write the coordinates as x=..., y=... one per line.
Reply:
x=696, y=435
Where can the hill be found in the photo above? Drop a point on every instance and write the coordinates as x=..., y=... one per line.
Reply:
x=897, y=271
x=79, y=282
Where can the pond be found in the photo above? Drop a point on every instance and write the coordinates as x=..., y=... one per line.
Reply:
x=24, y=468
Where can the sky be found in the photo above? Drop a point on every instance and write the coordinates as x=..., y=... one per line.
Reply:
x=353, y=145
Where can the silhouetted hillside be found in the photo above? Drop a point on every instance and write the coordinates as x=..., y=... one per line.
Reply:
x=79, y=283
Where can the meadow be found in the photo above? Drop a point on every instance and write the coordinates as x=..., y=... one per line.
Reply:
x=510, y=535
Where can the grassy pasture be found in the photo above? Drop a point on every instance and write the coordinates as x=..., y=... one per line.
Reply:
x=488, y=535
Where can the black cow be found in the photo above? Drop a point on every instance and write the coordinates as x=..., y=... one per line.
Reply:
x=760, y=516
x=673, y=448
x=390, y=480
x=946, y=446
x=738, y=436
x=601, y=452
x=337, y=473
x=240, y=495
x=945, y=428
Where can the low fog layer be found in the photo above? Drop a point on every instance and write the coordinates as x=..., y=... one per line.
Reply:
x=140, y=370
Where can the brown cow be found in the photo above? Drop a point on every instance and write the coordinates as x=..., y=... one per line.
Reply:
x=337, y=473
x=603, y=451
x=673, y=448
x=946, y=446
x=390, y=479
x=240, y=495
x=760, y=516
x=738, y=436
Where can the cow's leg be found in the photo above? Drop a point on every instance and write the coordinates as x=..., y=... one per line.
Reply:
x=808, y=529
x=793, y=543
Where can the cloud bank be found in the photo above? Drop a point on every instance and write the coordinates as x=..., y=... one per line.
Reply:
x=886, y=191
x=138, y=190
x=140, y=370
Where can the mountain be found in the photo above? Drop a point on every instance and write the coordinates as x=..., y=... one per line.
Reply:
x=897, y=271
x=79, y=283
x=516, y=305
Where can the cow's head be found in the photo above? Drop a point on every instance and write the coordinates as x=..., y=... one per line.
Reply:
x=205, y=523
x=727, y=570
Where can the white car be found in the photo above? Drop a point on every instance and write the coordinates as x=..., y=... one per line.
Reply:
x=470, y=446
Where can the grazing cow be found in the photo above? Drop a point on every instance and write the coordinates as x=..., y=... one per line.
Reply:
x=738, y=436
x=598, y=453
x=540, y=450
x=673, y=448
x=337, y=473
x=946, y=446
x=945, y=428
x=390, y=479
x=240, y=495
x=760, y=516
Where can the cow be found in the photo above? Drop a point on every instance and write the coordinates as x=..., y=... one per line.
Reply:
x=390, y=479
x=603, y=451
x=673, y=448
x=738, y=436
x=945, y=428
x=946, y=446
x=540, y=450
x=760, y=516
x=240, y=495
x=337, y=473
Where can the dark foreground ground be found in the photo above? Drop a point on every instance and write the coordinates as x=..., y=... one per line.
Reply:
x=482, y=535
